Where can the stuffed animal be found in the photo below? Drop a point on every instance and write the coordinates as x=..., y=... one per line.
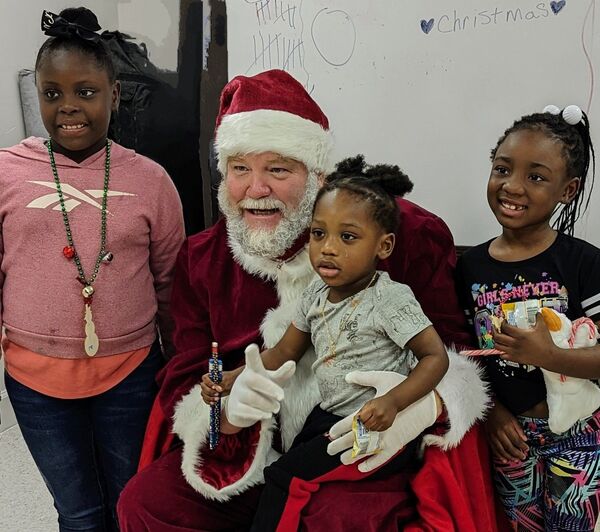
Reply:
x=569, y=398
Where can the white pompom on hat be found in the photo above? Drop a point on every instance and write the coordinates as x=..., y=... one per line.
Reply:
x=271, y=111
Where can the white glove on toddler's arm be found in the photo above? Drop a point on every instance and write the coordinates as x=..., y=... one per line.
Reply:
x=257, y=392
x=409, y=423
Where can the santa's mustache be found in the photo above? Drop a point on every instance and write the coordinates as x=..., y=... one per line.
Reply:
x=262, y=204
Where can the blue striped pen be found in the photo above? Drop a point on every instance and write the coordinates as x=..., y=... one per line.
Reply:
x=215, y=369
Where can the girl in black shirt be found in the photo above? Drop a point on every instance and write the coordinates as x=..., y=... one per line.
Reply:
x=537, y=190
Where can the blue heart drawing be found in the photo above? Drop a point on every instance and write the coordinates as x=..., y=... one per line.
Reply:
x=426, y=25
x=557, y=6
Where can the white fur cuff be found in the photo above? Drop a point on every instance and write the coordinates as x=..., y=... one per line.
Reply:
x=191, y=422
x=465, y=397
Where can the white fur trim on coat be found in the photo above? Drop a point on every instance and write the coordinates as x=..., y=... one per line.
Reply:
x=301, y=392
x=281, y=132
x=292, y=276
x=291, y=279
x=192, y=424
x=465, y=396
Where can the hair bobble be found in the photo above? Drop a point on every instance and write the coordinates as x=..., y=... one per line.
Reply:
x=552, y=109
x=571, y=114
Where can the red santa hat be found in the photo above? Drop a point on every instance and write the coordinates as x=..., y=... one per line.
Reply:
x=272, y=112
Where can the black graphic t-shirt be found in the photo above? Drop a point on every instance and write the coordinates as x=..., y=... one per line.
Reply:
x=565, y=277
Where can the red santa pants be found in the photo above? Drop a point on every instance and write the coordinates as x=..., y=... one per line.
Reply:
x=291, y=480
x=158, y=499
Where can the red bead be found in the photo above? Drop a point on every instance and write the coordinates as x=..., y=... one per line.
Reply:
x=69, y=252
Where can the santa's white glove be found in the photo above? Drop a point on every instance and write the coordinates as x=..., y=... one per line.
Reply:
x=257, y=392
x=409, y=423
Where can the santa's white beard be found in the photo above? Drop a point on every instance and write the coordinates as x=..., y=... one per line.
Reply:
x=268, y=242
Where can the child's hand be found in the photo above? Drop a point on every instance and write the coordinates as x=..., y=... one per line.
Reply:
x=379, y=413
x=525, y=346
x=211, y=391
x=505, y=435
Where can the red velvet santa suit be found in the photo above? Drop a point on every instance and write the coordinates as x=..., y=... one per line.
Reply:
x=216, y=299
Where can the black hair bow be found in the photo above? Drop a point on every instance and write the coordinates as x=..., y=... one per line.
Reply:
x=57, y=26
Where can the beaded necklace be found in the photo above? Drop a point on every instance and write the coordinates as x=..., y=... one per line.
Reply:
x=91, y=342
x=354, y=304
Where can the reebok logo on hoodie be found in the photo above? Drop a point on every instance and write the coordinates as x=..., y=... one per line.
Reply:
x=71, y=196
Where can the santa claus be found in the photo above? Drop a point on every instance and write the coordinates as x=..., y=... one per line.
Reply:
x=237, y=283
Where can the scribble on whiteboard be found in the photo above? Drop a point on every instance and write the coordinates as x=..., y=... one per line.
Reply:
x=271, y=11
x=277, y=51
x=279, y=41
x=338, y=51
x=589, y=21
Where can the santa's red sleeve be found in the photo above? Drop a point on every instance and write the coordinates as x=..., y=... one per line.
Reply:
x=192, y=343
x=212, y=300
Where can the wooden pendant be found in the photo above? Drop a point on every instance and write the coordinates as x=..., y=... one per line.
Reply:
x=91, y=342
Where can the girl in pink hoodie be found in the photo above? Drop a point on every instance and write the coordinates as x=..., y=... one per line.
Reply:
x=89, y=233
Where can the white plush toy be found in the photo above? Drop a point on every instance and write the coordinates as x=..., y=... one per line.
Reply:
x=569, y=398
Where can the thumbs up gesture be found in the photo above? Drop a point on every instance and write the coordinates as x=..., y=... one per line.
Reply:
x=407, y=425
x=257, y=393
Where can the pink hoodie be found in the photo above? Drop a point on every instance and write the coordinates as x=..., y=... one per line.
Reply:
x=40, y=297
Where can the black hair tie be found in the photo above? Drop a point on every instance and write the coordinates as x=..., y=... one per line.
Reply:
x=57, y=26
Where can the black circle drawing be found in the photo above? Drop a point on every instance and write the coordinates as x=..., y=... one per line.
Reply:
x=333, y=22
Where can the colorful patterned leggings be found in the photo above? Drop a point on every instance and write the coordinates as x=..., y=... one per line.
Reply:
x=557, y=487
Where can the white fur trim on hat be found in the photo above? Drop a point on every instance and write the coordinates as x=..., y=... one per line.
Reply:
x=281, y=132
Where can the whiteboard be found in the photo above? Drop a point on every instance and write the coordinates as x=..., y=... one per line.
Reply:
x=429, y=85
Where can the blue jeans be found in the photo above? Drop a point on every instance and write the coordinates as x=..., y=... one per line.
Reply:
x=87, y=449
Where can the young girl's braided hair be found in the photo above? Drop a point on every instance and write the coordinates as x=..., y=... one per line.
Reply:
x=378, y=185
x=577, y=151
x=75, y=29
